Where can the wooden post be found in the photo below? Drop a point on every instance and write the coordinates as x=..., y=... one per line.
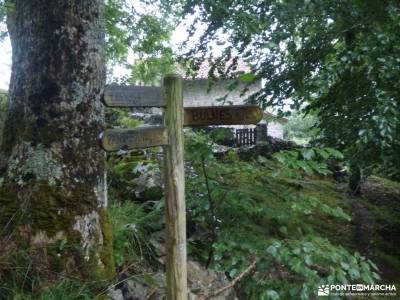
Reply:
x=175, y=190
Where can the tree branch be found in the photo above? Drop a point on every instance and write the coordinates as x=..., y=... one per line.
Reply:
x=232, y=283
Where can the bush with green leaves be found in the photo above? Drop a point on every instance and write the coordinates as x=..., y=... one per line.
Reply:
x=284, y=212
x=309, y=160
x=300, y=127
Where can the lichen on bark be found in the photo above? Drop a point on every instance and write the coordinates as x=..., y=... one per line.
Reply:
x=37, y=162
x=52, y=168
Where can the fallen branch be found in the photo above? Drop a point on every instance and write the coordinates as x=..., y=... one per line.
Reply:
x=151, y=294
x=232, y=283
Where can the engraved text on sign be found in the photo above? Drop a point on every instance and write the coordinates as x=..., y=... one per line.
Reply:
x=222, y=115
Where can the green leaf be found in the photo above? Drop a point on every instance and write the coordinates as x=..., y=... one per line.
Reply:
x=232, y=273
x=270, y=295
x=247, y=78
x=354, y=273
x=308, y=154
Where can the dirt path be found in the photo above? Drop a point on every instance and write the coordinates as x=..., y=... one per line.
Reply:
x=369, y=238
x=365, y=228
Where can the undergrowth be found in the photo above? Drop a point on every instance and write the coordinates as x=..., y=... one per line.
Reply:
x=284, y=212
x=132, y=225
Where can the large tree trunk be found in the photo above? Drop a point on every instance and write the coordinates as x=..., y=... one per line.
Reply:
x=53, y=194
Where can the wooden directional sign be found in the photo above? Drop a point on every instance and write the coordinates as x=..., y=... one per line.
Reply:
x=142, y=137
x=222, y=115
x=133, y=96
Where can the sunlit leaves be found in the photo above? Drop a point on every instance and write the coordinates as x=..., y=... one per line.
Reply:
x=138, y=36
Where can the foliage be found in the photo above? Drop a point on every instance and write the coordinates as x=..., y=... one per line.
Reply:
x=132, y=222
x=310, y=160
x=284, y=214
x=300, y=128
x=132, y=176
x=3, y=14
x=142, y=30
x=338, y=59
x=155, y=56
x=139, y=29
x=19, y=281
x=222, y=135
x=69, y=290
x=120, y=118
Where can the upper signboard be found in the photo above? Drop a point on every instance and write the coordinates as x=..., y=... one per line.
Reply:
x=134, y=96
x=141, y=137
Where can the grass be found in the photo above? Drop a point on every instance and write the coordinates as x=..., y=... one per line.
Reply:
x=132, y=224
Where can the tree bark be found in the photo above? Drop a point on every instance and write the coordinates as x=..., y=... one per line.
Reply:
x=53, y=195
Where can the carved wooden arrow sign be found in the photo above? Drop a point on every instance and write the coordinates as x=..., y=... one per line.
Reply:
x=133, y=96
x=147, y=96
x=222, y=115
x=142, y=137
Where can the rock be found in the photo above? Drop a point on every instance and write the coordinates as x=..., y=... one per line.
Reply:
x=138, y=290
x=150, y=116
x=148, y=184
x=220, y=149
x=157, y=241
x=135, y=175
x=267, y=148
x=116, y=294
x=201, y=282
x=160, y=279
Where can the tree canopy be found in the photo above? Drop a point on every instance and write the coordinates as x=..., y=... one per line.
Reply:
x=140, y=29
x=143, y=30
x=338, y=59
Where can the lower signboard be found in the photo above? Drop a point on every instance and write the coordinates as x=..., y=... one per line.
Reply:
x=141, y=137
x=222, y=115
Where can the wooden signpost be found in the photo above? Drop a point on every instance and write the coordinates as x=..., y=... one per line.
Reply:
x=170, y=136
